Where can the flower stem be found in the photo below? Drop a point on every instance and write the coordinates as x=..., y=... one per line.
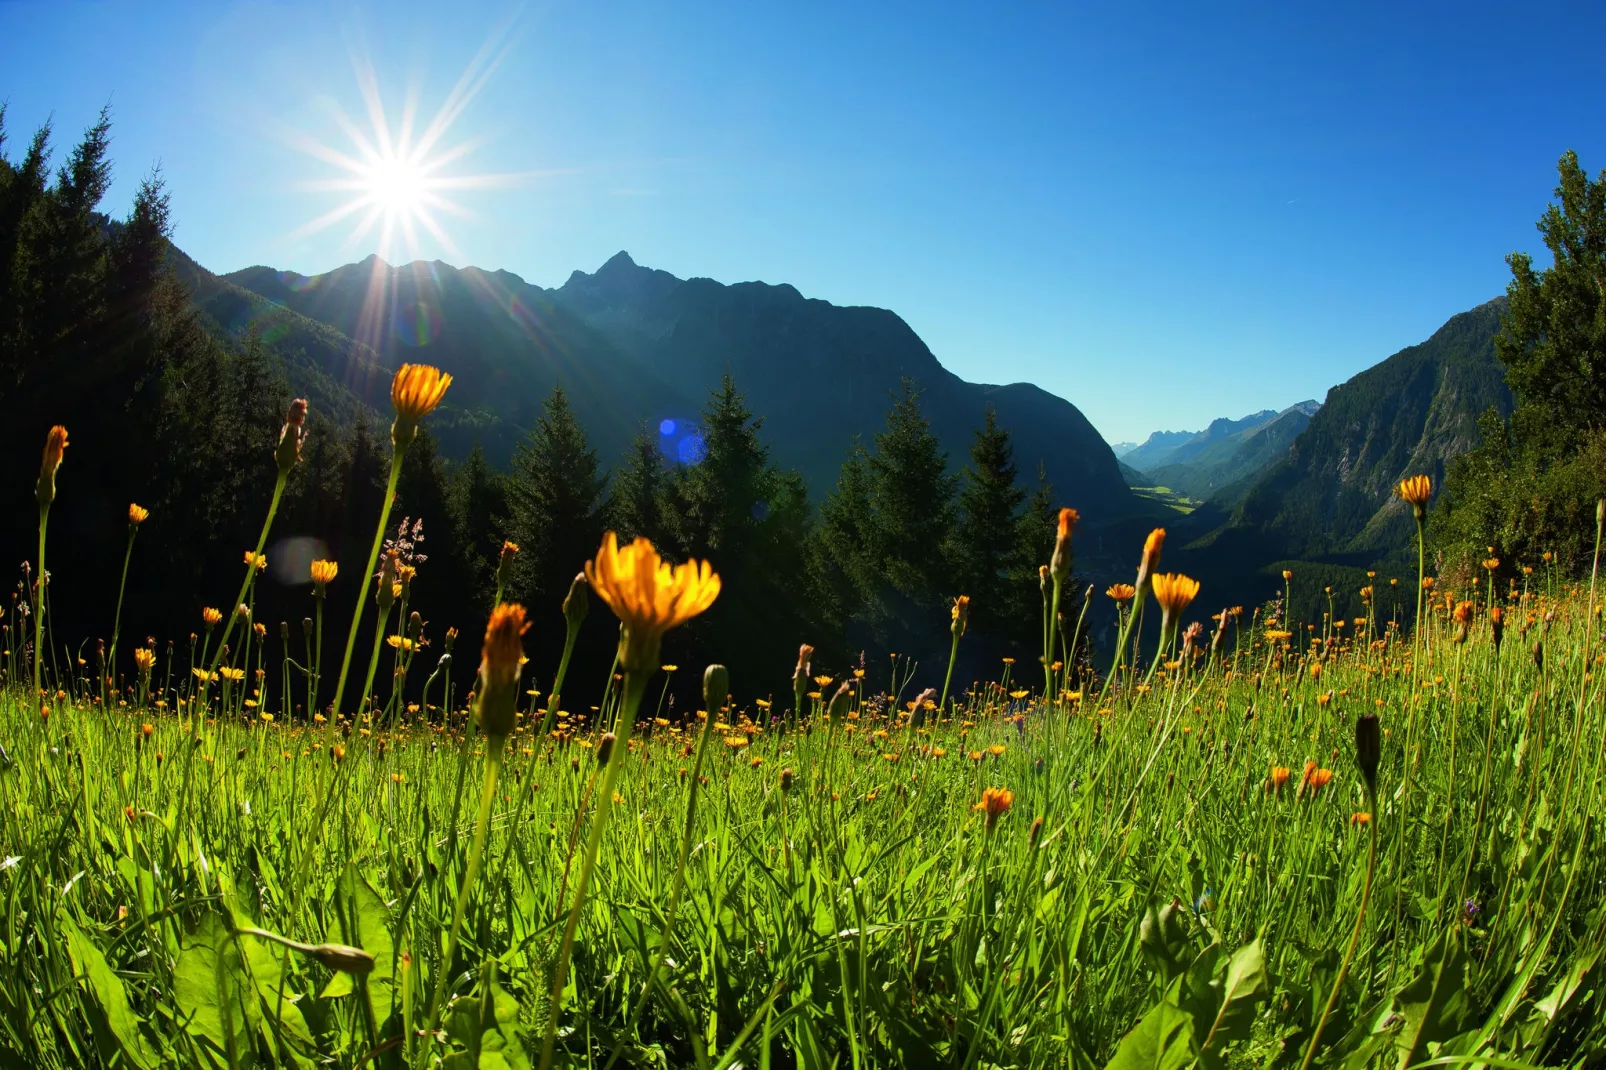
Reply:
x=373, y=556
x=635, y=685
x=493, y=767
x=1355, y=935
x=229, y=614
x=117, y=621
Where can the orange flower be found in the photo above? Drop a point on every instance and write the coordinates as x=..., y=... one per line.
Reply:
x=1278, y=778
x=144, y=658
x=1315, y=778
x=1174, y=591
x=1360, y=818
x=501, y=658
x=1060, y=564
x=995, y=802
x=648, y=595
x=960, y=615
x=414, y=393
x=1463, y=612
x=1151, y=559
x=137, y=514
x=1416, y=490
x=323, y=574
x=1121, y=592
x=55, y=446
x=211, y=616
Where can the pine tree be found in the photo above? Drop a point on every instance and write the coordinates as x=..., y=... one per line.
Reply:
x=637, y=507
x=911, y=525
x=555, y=500
x=841, y=551
x=479, y=507
x=987, y=536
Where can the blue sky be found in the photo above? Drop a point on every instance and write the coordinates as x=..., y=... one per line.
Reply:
x=1162, y=213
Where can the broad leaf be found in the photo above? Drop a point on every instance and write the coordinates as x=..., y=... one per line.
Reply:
x=91, y=966
x=1163, y=1040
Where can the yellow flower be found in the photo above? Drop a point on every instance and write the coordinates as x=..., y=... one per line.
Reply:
x=256, y=560
x=414, y=393
x=211, y=616
x=648, y=595
x=399, y=642
x=1019, y=694
x=823, y=681
x=997, y=750
x=228, y=672
x=1416, y=490
x=323, y=573
x=960, y=615
x=1491, y=563
x=144, y=658
x=1121, y=592
x=137, y=514
x=669, y=668
x=202, y=675
x=1174, y=591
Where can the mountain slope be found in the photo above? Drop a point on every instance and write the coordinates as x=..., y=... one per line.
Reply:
x=1156, y=449
x=1218, y=459
x=633, y=345
x=1331, y=496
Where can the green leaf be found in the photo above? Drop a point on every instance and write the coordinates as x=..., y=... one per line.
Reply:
x=1163, y=1040
x=1245, y=986
x=209, y=985
x=91, y=966
x=1434, y=1001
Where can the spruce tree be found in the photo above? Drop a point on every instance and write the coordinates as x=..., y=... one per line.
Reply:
x=555, y=501
x=987, y=536
x=479, y=507
x=911, y=525
x=841, y=550
x=638, y=492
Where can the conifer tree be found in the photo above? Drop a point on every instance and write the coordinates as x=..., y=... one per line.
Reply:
x=555, y=503
x=911, y=525
x=638, y=492
x=479, y=507
x=987, y=540
x=842, y=564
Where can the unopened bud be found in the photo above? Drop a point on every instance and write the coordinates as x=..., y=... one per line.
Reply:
x=837, y=711
x=716, y=689
x=786, y=780
x=1368, y=749
x=605, y=748
x=343, y=958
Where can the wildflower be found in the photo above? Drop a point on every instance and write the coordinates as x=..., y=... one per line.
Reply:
x=1287, y=575
x=1497, y=626
x=1174, y=591
x=1278, y=778
x=1416, y=490
x=231, y=674
x=1121, y=592
x=648, y=596
x=997, y=750
x=995, y=802
x=1368, y=749
x=55, y=446
x=144, y=659
x=1060, y=564
x=1315, y=778
x=1036, y=832
x=414, y=393
x=137, y=514
x=1491, y=563
x=1360, y=818
x=291, y=435
x=1151, y=559
x=1427, y=583
x=961, y=614
x=323, y=574
x=501, y=657
x=211, y=616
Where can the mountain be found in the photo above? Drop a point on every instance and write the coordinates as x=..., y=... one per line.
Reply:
x=632, y=345
x=1330, y=498
x=1121, y=449
x=1231, y=451
x=1156, y=449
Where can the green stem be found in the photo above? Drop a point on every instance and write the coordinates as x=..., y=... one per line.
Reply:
x=493, y=767
x=953, y=655
x=557, y=681
x=368, y=571
x=1355, y=935
x=229, y=614
x=39, y=603
x=1048, y=647
x=117, y=621
x=635, y=686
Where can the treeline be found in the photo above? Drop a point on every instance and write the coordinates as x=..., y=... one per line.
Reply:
x=1530, y=489
x=96, y=334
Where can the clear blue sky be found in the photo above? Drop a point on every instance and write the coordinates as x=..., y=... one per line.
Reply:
x=1162, y=213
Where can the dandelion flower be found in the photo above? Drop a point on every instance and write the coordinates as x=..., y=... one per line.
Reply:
x=323, y=574
x=137, y=514
x=211, y=616
x=1416, y=490
x=648, y=595
x=502, y=655
x=1121, y=592
x=414, y=393
x=995, y=802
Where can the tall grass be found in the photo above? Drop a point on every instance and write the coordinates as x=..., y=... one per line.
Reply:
x=1171, y=875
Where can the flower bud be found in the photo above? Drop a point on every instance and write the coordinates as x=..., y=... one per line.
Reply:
x=504, y=565
x=499, y=669
x=786, y=780
x=1368, y=749
x=605, y=748
x=577, y=603
x=55, y=446
x=343, y=958
x=837, y=711
x=306, y=626
x=288, y=451
x=960, y=615
x=716, y=689
x=1060, y=564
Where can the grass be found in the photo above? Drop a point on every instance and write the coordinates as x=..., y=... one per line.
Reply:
x=1168, y=872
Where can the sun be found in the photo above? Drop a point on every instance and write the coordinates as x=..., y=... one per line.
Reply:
x=397, y=186
x=401, y=176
